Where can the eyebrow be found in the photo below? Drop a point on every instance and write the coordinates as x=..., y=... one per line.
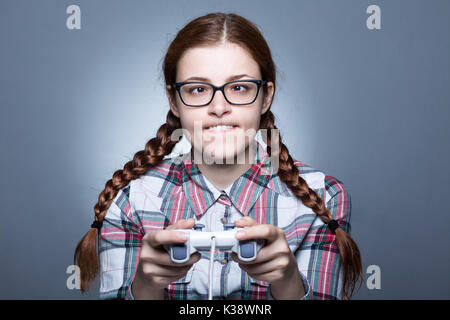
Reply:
x=232, y=78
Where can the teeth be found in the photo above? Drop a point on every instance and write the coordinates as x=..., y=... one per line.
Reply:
x=220, y=127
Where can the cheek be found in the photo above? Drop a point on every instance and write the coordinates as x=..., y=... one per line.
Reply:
x=250, y=121
x=191, y=120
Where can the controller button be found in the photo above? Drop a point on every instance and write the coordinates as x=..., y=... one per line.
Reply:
x=224, y=220
x=228, y=226
x=247, y=250
x=198, y=227
x=179, y=252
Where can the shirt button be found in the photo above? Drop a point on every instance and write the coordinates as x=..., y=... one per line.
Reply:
x=224, y=220
x=224, y=261
x=223, y=197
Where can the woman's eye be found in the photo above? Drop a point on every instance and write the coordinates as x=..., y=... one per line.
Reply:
x=197, y=90
x=239, y=87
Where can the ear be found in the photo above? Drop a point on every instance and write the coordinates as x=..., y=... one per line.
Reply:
x=268, y=97
x=173, y=105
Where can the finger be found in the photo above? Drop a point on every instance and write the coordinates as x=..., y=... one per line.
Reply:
x=162, y=257
x=262, y=257
x=245, y=222
x=157, y=270
x=268, y=276
x=166, y=260
x=261, y=231
x=263, y=271
x=164, y=281
x=262, y=266
x=249, y=266
x=182, y=224
x=161, y=237
x=166, y=236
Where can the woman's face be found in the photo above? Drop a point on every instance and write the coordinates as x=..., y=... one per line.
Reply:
x=218, y=65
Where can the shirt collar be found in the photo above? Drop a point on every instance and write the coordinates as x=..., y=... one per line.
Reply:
x=243, y=192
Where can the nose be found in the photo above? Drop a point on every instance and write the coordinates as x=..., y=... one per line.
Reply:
x=219, y=105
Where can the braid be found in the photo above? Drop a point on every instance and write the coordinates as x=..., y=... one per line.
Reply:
x=86, y=256
x=289, y=174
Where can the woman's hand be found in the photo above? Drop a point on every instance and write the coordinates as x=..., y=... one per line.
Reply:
x=275, y=262
x=155, y=269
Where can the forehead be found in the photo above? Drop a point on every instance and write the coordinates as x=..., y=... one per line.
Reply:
x=216, y=63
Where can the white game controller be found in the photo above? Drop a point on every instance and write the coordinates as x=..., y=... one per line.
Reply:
x=224, y=240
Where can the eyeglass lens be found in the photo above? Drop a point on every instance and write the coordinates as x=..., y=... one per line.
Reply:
x=236, y=93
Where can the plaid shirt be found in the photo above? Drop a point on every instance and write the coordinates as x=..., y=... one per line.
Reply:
x=175, y=189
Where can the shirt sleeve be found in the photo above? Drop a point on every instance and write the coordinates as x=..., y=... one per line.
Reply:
x=318, y=257
x=119, y=246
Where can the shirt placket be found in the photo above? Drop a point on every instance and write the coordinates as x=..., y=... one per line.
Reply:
x=222, y=259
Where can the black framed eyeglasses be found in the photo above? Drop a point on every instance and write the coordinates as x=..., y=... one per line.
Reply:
x=199, y=93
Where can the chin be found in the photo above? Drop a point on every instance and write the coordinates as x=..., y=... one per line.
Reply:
x=213, y=153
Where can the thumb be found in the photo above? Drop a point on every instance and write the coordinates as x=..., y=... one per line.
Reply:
x=245, y=222
x=182, y=224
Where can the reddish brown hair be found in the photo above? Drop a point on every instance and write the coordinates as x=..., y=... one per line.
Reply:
x=212, y=29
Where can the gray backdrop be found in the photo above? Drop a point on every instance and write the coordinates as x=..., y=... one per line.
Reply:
x=370, y=107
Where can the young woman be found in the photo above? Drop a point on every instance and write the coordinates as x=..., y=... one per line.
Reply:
x=220, y=81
